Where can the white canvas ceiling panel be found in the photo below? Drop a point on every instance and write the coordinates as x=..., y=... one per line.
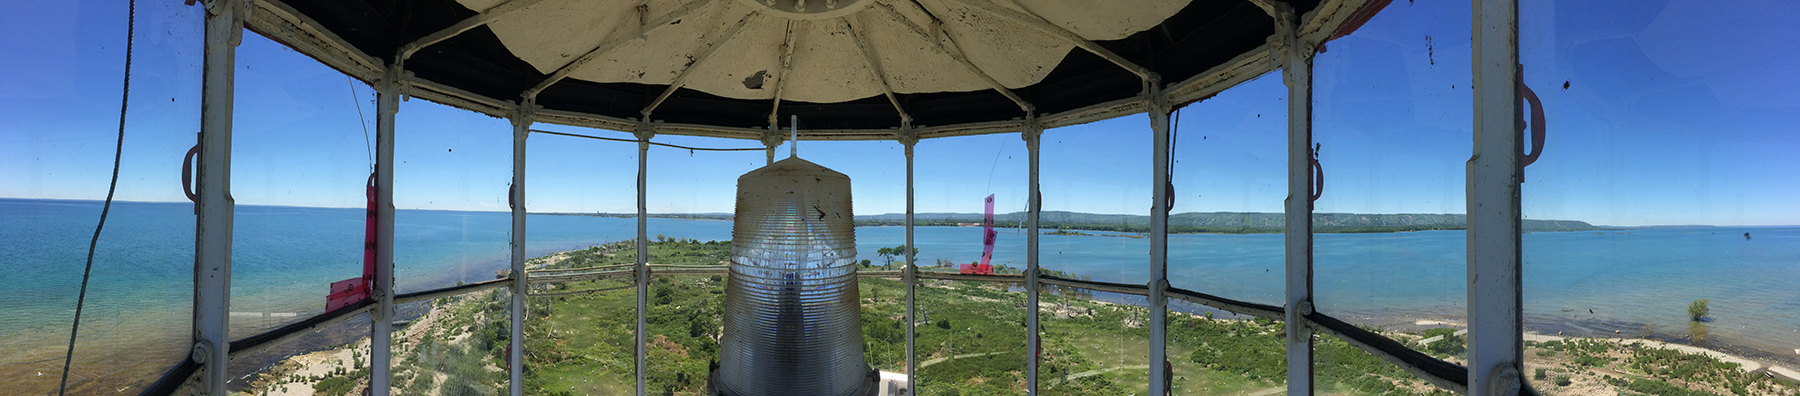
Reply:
x=479, y=5
x=1014, y=54
x=553, y=33
x=665, y=52
x=1099, y=21
x=746, y=66
x=910, y=60
x=827, y=67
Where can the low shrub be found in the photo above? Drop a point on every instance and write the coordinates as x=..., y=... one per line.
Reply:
x=1450, y=345
x=1660, y=388
x=334, y=386
x=1697, y=310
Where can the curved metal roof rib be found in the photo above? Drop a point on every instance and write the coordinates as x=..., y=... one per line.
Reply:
x=850, y=69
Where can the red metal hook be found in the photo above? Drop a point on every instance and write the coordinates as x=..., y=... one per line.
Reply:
x=1537, y=126
x=187, y=175
x=1318, y=180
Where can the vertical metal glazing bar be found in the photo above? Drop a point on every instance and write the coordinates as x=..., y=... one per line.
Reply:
x=1033, y=135
x=1297, y=73
x=1159, y=237
x=910, y=140
x=1495, y=337
x=643, y=253
x=771, y=139
x=212, y=239
x=912, y=272
x=387, y=105
x=521, y=130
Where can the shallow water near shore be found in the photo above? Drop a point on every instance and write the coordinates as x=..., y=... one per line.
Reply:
x=136, y=322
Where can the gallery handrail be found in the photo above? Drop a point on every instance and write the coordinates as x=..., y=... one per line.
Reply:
x=1444, y=374
x=1234, y=306
x=1122, y=288
x=173, y=379
x=403, y=298
x=255, y=343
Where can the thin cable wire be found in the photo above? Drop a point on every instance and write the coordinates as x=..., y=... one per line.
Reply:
x=995, y=166
x=354, y=98
x=652, y=143
x=118, y=153
x=1174, y=127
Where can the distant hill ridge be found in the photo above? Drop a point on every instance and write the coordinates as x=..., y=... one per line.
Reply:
x=1223, y=222
x=1192, y=222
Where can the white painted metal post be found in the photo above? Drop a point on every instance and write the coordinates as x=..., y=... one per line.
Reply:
x=212, y=239
x=1495, y=332
x=1296, y=71
x=910, y=139
x=381, y=318
x=521, y=123
x=644, y=133
x=771, y=139
x=1159, y=236
x=1033, y=135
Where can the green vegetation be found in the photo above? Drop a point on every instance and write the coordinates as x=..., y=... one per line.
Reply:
x=971, y=341
x=971, y=338
x=1698, y=310
x=466, y=345
x=584, y=343
x=1067, y=232
x=1448, y=343
x=1634, y=369
x=888, y=254
x=335, y=386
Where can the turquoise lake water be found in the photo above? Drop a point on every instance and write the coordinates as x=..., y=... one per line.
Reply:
x=285, y=257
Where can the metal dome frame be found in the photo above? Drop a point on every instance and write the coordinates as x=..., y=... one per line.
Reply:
x=1295, y=36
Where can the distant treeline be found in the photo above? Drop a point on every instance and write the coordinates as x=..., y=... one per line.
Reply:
x=682, y=216
x=1182, y=223
x=1221, y=222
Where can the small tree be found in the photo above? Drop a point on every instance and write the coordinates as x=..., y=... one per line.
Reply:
x=1698, y=310
x=887, y=255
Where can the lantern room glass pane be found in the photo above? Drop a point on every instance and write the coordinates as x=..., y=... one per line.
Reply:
x=1669, y=124
x=1230, y=176
x=580, y=336
x=970, y=338
x=1392, y=122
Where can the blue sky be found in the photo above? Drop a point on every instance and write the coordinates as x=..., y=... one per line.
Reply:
x=1678, y=112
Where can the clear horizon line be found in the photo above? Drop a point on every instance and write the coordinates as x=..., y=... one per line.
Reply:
x=882, y=214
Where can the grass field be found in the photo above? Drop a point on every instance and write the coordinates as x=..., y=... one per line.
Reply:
x=970, y=338
x=971, y=341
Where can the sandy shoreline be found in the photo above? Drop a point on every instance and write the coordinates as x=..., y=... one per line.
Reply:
x=1749, y=359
